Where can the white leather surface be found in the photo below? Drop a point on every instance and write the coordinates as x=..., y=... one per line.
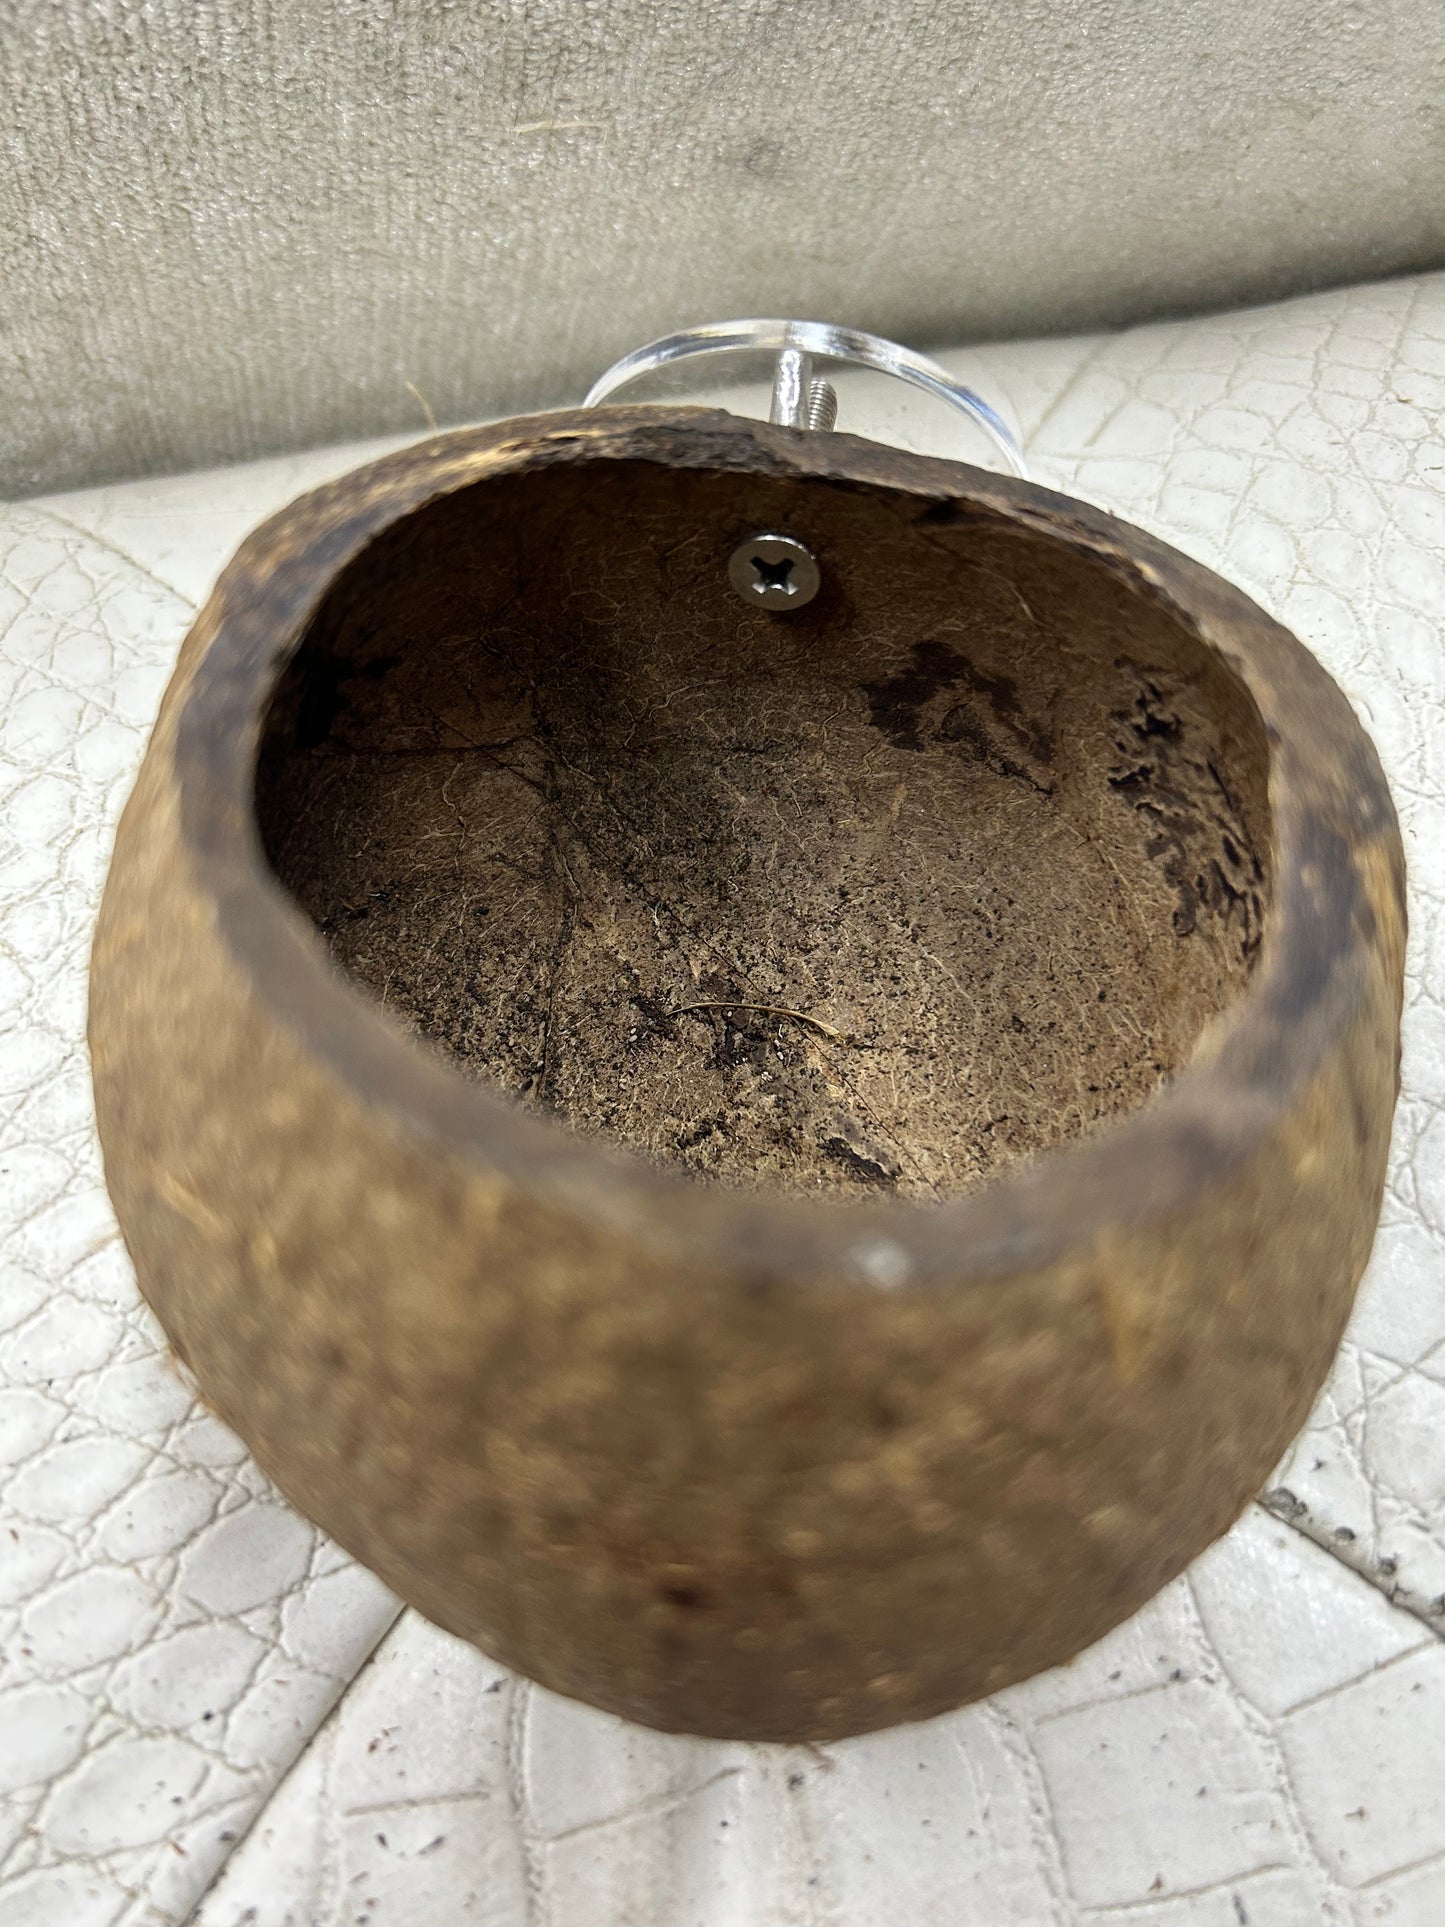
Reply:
x=232, y=226
x=1263, y=1745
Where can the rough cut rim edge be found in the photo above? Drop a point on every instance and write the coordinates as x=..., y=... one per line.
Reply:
x=1212, y=1117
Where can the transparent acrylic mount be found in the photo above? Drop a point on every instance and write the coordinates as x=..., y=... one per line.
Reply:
x=796, y=344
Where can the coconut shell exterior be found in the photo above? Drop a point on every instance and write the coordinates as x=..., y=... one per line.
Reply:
x=734, y=1458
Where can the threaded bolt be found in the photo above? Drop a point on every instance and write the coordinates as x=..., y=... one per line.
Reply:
x=822, y=405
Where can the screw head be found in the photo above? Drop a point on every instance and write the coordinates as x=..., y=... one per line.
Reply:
x=774, y=572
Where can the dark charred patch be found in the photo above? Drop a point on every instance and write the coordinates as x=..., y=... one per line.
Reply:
x=965, y=727
x=687, y=1599
x=699, y=1133
x=322, y=691
x=1195, y=826
x=869, y=1170
x=1002, y=697
x=991, y=725
x=896, y=703
x=657, y=1019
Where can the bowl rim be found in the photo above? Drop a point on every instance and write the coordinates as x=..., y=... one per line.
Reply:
x=1325, y=790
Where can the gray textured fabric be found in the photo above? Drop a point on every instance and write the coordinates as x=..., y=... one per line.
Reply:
x=230, y=226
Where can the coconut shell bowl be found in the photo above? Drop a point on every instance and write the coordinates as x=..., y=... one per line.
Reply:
x=779, y=1172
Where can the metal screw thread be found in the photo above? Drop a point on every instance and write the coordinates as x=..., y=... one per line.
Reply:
x=822, y=405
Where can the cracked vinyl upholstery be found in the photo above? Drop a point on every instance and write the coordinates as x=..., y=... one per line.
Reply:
x=188, y=1719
